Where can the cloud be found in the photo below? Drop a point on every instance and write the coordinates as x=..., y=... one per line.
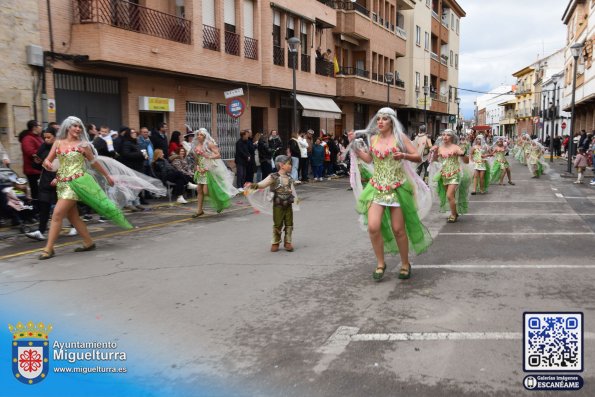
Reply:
x=498, y=38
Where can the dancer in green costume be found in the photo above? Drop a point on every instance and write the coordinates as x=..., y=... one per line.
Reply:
x=395, y=198
x=535, y=162
x=453, y=178
x=500, y=167
x=481, y=174
x=214, y=180
x=73, y=184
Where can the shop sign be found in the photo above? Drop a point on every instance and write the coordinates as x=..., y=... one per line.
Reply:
x=233, y=93
x=156, y=104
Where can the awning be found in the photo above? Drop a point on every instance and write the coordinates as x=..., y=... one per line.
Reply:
x=315, y=106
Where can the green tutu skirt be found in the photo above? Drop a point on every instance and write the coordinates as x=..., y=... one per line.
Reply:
x=486, y=178
x=461, y=195
x=90, y=193
x=418, y=235
x=539, y=169
x=497, y=170
x=217, y=197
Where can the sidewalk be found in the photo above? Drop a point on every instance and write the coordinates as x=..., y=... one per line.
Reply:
x=560, y=166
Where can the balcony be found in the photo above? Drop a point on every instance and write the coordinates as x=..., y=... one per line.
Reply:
x=351, y=71
x=232, y=43
x=444, y=60
x=250, y=48
x=325, y=68
x=351, y=6
x=355, y=84
x=434, y=56
x=133, y=17
x=210, y=38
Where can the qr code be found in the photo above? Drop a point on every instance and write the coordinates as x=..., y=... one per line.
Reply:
x=553, y=342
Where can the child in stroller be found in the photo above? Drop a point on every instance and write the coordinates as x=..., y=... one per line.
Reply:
x=16, y=202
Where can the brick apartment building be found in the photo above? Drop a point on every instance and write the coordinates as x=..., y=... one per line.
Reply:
x=140, y=62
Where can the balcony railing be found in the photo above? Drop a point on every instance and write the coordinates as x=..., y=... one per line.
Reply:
x=279, y=56
x=130, y=16
x=434, y=56
x=350, y=6
x=305, y=66
x=210, y=38
x=232, y=43
x=250, y=48
x=400, y=83
x=351, y=71
x=435, y=15
x=401, y=32
x=324, y=67
x=444, y=60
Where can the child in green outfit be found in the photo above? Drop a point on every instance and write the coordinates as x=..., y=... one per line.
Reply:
x=281, y=185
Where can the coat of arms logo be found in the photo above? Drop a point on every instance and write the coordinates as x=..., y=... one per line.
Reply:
x=30, y=351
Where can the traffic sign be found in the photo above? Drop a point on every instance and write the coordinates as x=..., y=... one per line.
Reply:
x=563, y=125
x=235, y=107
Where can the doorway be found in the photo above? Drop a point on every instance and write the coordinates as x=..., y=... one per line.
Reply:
x=257, y=115
x=151, y=120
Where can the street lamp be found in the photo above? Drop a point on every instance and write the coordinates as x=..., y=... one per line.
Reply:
x=389, y=79
x=458, y=101
x=553, y=115
x=426, y=93
x=575, y=50
x=294, y=44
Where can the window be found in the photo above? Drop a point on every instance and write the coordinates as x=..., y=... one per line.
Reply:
x=426, y=81
x=400, y=20
x=417, y=80
x=429, y=3
x=418, y=36
x=427, y=42
x=452, y=21
x=228, y=131
x=451, y=60
x=276, y=28
x=290, y=27
x=458, y=25
x=456, y=61
x=304, y=37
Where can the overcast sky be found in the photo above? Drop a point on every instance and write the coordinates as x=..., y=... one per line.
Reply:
x=501, y=37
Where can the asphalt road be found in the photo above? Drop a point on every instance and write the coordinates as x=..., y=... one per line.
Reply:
x=211, y=308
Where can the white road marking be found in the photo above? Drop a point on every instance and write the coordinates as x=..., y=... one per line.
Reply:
x=554, y=189
x=424, y=336
x=504, y=266
x=580, y=197
x=517, y=202
x=559, y=195
x=548, y=214
x=519, y=234
x=343, y=335
x=334, y=346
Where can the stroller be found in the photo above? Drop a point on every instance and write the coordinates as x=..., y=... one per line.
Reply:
x=14, y=203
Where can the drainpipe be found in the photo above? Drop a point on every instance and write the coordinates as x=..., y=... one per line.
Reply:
x=44, y=95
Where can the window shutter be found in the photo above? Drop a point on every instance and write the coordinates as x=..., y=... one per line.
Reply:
x=208, y=12
x=229, y=13
x=249, y=18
